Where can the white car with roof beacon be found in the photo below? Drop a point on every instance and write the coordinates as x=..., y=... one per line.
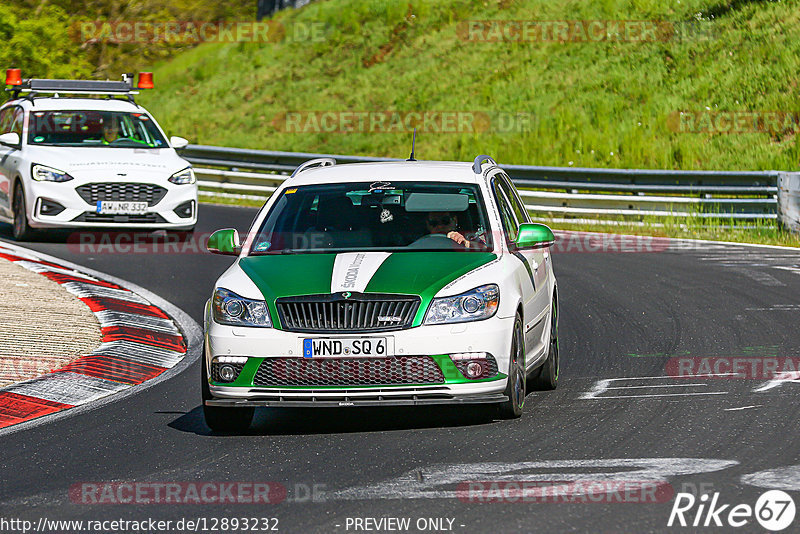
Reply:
x=86, y=155
x=379, y=284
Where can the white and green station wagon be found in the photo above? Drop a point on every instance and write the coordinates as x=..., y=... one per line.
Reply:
x=375, y=284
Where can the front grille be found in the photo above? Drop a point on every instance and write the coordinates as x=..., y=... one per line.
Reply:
x=357, y=313
x=132, y=192
x=348, y=371
x=93, y=217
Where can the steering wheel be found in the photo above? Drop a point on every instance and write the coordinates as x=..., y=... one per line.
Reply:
x=436, y=241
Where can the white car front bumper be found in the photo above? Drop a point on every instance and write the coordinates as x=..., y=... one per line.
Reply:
x=492, y=336
x=78, y=213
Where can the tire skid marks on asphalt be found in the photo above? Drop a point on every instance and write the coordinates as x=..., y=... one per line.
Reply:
x=779, y=380
x=446, y=481
x=745, y=260
x=140, y=342
x=783, y=478
x=607, y=388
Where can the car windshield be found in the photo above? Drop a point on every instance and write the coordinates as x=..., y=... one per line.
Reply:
x=378, y=216
x=94, y=129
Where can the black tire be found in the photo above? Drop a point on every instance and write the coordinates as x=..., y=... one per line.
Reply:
x=225, y=420
x=515, y=389
x=546, y=377
x=21, y=227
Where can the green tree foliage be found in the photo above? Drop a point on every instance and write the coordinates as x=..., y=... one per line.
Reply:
x=40, y=45
x=59, y=23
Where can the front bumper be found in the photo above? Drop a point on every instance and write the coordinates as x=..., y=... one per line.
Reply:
x=162, y=215
x=437, y=342
x=356, y=402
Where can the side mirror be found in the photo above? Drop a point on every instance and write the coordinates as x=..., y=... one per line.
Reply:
x=225, y=242
x=10, y=139
x=178, y=142
x=534, y=235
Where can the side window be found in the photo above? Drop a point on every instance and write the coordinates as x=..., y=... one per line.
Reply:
x=510, y=225
x=6, y=117
x=513, y=197
x=16, y=124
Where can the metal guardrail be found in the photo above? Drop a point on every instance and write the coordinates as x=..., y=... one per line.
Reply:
x=546, y=190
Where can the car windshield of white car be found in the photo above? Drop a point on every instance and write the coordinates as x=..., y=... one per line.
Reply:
x=375, y=216
x=113, y=129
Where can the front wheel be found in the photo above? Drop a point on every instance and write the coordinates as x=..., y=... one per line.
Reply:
x=515, y=388
x=546, y=377
x=223, y=419
x=22, y=230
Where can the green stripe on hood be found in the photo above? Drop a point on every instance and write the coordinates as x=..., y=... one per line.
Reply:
x=424, y=273
x=289, y=275
x=407, y=273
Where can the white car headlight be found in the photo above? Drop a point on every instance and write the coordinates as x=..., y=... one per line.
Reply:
x=231, y=309
x=43, y=173
x=186, y=176
x=476, y=304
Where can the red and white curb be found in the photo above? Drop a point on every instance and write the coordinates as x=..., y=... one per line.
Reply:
x=140, y=342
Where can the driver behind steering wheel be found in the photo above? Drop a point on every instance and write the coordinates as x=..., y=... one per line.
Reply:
x=445, y=223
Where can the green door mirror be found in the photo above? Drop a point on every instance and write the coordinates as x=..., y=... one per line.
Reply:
x=225, y=242
x=534, y=235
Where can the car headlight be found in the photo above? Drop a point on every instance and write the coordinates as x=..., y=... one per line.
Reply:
x=231, y=309
x=186, y=176
x=43, y=173
x=476, y=304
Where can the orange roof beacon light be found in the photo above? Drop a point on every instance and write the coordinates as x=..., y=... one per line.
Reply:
x=145, y=80
x=13, y=77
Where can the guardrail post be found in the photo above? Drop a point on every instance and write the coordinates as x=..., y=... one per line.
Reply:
x=789, y=200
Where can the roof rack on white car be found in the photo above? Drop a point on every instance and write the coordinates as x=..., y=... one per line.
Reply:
x=476, y=165
x=319, y=162
x=33, y=87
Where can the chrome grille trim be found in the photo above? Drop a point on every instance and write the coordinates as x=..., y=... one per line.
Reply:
x=132, y=192
x=361, y=312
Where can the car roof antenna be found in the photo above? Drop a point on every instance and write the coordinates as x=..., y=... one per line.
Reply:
x=413, y=142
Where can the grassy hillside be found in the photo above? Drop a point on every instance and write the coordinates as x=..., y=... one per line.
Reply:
x=592, y=103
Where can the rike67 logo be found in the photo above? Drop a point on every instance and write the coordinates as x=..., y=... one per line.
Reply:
x=774, y=510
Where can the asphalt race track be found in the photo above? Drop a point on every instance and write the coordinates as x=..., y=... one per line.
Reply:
x=628, y=320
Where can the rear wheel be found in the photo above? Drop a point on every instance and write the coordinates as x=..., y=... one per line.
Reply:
x=221, y=419
x=546, y=377
x=21, y=228
x=515, y=388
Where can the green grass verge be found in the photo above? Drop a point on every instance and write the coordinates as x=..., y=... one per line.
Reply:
x=592, y=104
x=605, y=104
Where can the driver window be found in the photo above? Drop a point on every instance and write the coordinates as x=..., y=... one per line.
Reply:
x=6, y=119
x=16, y=124
x=516, y=204
x=510, y=225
